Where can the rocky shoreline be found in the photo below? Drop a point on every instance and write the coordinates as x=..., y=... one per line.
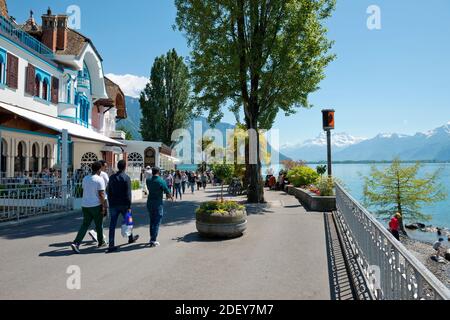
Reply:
x=423, y=251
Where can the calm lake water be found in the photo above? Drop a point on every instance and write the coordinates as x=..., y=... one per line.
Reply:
x=350, y=175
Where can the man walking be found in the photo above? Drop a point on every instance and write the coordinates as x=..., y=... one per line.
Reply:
x=156, y=188
x=119, y=192
x=104, y=175
x=93, y=205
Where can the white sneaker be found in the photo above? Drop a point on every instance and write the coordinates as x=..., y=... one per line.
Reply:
x=154, y=244
x=93, y=235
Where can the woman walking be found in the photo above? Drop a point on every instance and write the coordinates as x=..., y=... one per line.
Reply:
x=177, y=185
x=184, y=181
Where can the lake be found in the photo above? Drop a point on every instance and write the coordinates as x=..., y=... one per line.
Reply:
x=350, y=175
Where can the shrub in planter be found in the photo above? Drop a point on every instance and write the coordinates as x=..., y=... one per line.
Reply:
x=135, y=185
x=302, y=176
x=326, y=186
x=225, y=219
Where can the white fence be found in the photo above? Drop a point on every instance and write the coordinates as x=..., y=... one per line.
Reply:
x=27, y=201
x=390, y=270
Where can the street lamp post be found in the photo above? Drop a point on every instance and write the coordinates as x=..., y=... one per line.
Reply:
x=328, y=125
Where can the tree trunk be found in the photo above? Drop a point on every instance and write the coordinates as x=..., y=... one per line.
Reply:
x=255, y=191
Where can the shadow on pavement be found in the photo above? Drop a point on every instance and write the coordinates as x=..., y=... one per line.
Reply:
x=89, y=248
x=176, y=213
x=195, y=237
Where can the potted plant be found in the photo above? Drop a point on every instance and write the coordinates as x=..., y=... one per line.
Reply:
x=223, y=219
x=136, y=190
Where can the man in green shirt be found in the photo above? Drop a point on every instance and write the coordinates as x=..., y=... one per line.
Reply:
x=156, y=187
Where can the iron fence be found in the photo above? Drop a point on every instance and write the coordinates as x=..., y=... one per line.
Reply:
x=390, y=270
x=27, y=201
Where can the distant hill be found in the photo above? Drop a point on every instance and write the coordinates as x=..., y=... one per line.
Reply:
x=433, y=145
x=132, y=123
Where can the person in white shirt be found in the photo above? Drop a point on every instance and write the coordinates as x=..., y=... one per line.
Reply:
x=104, y=175
x=94, y=207
x=147, y=175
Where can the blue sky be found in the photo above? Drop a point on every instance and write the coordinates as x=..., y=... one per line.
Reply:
x=396, y=79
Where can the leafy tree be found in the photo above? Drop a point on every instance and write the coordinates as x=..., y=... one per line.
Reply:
x=257, y=57
x=128, y=133
x=165, y=100
x=399, y=189
x=224, y=172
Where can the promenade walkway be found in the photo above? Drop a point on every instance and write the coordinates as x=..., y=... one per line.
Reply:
x=284, y=255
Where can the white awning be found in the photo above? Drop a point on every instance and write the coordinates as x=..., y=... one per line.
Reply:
x=59, y=125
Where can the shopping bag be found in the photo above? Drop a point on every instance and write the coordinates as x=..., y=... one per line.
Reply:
x=127, y=225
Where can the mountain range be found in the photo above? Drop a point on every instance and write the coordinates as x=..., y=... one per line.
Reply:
x=433, y=145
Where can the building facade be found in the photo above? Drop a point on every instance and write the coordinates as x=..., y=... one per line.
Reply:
x=51, y=79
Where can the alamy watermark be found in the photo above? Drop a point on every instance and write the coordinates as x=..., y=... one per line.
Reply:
x=74, y=17
x=374, y=19
x=73, y=282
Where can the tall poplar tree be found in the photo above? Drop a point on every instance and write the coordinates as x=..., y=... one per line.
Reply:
x=165, y=102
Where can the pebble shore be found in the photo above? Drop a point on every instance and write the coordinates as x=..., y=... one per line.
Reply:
x=423, y=251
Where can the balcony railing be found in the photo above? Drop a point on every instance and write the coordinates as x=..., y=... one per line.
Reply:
x=84, y=82
x=14, y=33
x=390, y=271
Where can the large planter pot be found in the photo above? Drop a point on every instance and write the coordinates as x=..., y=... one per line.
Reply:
x=137, y=195
x=220, y=225
x=311, y=201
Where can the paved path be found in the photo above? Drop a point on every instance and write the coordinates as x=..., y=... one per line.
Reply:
x=282, y=256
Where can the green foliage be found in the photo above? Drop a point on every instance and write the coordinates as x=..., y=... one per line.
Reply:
x=219, y=207
x=302, y=176
x=135, y=185
x=399, y=189
x=223, y=171
x=321, y=170
x=128, y=133
x=258, y=58
x=325, y=186
x=165, y=100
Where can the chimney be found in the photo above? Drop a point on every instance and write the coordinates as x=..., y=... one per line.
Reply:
x=3, y=9
x=61, y=38
x=49, y=32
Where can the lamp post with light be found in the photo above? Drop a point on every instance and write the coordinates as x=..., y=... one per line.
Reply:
x=328, y=125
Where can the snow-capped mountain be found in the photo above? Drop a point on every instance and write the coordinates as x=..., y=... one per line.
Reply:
x=315, y=149
x=432, y=145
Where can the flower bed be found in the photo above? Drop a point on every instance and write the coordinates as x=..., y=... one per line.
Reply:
x=312, y=201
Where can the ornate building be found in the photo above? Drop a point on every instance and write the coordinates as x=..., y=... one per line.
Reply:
x=51, y=78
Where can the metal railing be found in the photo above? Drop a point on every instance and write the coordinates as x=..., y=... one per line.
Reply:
x=83, y=82
x=33, y=200
x=14, y=33
x=390, y=270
